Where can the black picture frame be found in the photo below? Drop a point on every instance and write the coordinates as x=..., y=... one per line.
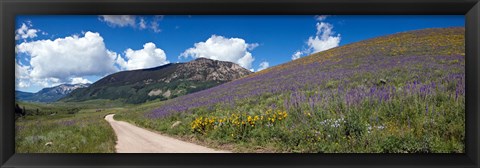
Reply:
x=10, y=8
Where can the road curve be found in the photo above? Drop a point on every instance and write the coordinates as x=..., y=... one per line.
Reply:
x=133, y=139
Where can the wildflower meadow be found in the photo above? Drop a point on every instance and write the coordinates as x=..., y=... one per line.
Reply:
x=403, y=93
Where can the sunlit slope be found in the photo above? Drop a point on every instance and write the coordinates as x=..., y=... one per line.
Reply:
x=426, y=42
x=421, y=56
x=403, y=93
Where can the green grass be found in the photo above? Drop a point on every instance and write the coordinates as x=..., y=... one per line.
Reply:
x=394, y=129
x=55, y=130
x=427, y=119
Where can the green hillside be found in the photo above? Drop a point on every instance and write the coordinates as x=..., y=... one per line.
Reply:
x=402, y=93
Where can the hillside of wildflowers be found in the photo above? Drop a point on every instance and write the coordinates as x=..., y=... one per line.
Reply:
x=401, y=93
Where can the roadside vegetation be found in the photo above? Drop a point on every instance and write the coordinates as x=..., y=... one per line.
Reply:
x=65, y=128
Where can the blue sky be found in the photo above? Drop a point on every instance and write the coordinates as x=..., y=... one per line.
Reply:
x=74, y=49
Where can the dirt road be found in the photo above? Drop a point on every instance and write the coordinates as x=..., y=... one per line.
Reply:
x=133, y=139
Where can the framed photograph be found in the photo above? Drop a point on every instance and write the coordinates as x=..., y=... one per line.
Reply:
x=211, y=83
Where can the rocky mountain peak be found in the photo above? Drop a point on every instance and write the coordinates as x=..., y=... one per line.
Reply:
x=63, y=89
x=211, y=70
x=50, y=94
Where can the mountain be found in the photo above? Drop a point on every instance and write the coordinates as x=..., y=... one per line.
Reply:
x=49, y=94
x=163, y=82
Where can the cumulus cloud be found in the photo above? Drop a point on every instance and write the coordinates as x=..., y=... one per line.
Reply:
x=324, y=39
x=69, y=59
x=119, y=20
x=46, y=82
x=234, y=50
x=24, y=80
x=80, y=80
x=119, y=61
x=21, y=71
x=22, y=84
x=21, y=75
x=263, y=65
x=148, y=57
x=25, y=32
x=297, y=55
x=63, y=59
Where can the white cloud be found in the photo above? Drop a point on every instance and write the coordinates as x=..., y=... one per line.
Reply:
x=155, y=27
x=25, y=32
x=252, y=46
x=297, y=55
x=119, y=20
x=22, y=84
x=61, y=60
x=21, y=71
x=131, y=21
x=69, y=59
x=119, y=61
x=80, y=80
x=154, y=24
x=320, y=17
x=148, y=57
x=263, y=65
x=21, y=75
x=142, y=24
x=46, y=82
x=325, y=38
x=234, y=50
x=24, y=80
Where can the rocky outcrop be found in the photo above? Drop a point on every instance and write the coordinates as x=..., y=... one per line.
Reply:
x=210, y=70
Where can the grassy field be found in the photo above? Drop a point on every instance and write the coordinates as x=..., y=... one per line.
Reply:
x=396, y=94
x=59, y=129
